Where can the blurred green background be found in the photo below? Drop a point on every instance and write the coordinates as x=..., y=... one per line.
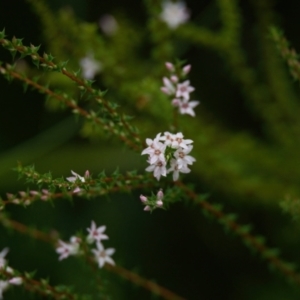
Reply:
x=180, y=248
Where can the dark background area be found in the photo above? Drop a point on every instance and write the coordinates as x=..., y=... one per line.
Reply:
x=180, y=248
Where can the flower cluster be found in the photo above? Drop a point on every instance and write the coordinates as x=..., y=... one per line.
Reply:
x=153, y=201
x=179, y=91
x=5, y=284
x=96, y=235
x=169, y=153
x=174, y=13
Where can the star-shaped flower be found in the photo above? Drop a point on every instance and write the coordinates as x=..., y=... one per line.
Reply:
x=67, y=249
x=103, y=255
x=96, y=234
x=184, y=89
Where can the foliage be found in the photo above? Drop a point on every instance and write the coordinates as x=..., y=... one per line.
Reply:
x=248, y=163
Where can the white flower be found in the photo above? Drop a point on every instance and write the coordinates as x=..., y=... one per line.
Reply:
x=96, y=234
x=75, y=177
x=168, y=87
x=184, y=89
x=103, y=256
x=156, y=152
x=182, y=158
x=176, y=169
x=90, y=66
x=168, y=138
x=158, y=169
x=174, y=13
x=67, y=249
x=185, y=106
x=178, y=141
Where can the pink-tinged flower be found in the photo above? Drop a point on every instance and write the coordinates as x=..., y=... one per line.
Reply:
x=184, y=89
x=96, y=234
x=158, y=169
x=179, y=141
x=103, y=256
x=66, y=249
x=157, y=153
x=75, y=177
x=185, y=106
x=147, y=208
x=167, y=138
x=183, y=158
x=168, y=87
x=90, y=66
x=176, y=169
x=174, y=13
x=151, y=143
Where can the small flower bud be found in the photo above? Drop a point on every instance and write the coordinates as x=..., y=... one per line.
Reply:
x=160, y=195
x=186, y=69
x=170, y=66
x=143, y=198
x=16, y=280
x=159, y=203
x=147, y=208
x=174, y=78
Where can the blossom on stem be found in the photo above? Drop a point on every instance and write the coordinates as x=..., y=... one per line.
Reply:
x=176, y=169
x=66, y=249
x=185, y=106
x=75, y=177
x=96, y=234
x=102, y=255
x=184, y=89
x=168, y=87
x=168, y=151
x=90, y=66
x=179, y=91
x=174, y=13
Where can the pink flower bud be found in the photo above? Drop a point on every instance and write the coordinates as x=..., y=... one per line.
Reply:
x=77, y=190
x=87, y=174
x=170, y=66
x=160, y=195
x=16, y=280
x=174, y=78
x=147, y=208
x=23, y=194
x=176, y=102
x=143, y=198
x=186, y=69
x=159, y=203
